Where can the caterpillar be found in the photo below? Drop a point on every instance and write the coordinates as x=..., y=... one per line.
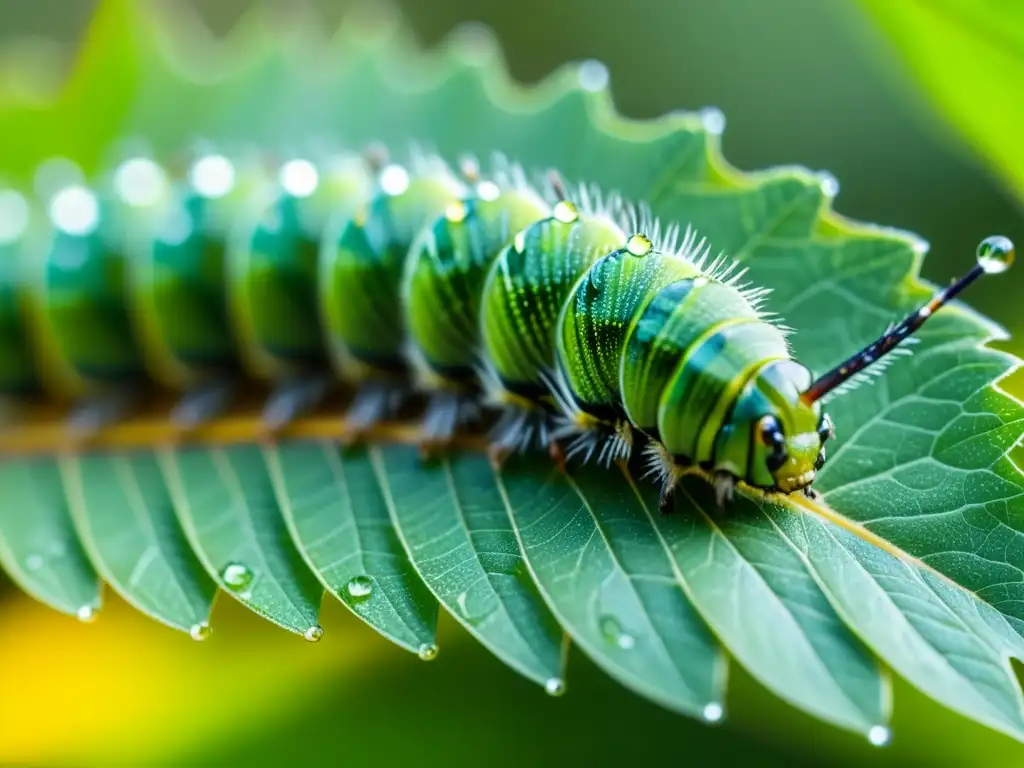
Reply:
x=582, y=324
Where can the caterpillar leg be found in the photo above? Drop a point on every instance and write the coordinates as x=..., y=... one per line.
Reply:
x=293, y=398
x=606, y=441
x=518, y=429
x=446, y=412
x=662, y=466
x=93, y=414
x=202, y=403
x=725, y=488
x=374, y=402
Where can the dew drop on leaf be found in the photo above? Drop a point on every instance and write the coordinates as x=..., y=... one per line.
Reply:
x=554, y=686
x=612, y=631
x=593, y=75
x=713, y=712
x=712, y=119
x=879, y=735
x=86, y=613
x=359, y=588
x=200, y=631
x=236, y=576
x=427, y=652
x=314, y=634
x=829, y=184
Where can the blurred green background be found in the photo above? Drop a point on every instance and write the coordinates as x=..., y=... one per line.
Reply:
x=800, y=81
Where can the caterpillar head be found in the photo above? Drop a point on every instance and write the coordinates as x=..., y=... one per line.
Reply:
x=784, y=434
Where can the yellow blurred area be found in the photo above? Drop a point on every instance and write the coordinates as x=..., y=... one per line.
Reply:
x=124, y=687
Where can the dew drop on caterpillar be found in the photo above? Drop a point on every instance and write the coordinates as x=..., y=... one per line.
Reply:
x=576, y=321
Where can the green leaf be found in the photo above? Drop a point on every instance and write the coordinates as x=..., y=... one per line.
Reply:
x=452, y=520
x=38, y=546
x=226, y=505
x=942, y=639
x=755, y=592
x=609, y=582
x=124, y=518
x=339, y=521
x=968, y=55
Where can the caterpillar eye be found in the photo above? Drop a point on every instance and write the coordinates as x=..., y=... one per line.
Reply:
x=826, y=429
x=770, y=432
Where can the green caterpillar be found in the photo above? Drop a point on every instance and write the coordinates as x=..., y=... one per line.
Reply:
x=574, y=316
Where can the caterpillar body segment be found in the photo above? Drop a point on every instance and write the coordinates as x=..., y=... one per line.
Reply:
x=445, y=273
x=177, y=295
x=361, y=269
x=74, y=294
x=595, y=327
x=575, y=319
x=523, y=295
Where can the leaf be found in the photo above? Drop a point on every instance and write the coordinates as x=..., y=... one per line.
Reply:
x=338, y=518
x=125, y=521
x=761, y=600
x=451, y=518
x=920, y=517
x=969, y=57
x=610, y=585
x=942, y=639
x=226, y=505
x=38, y=546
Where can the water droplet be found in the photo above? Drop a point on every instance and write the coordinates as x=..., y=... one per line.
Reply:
x=995, y=254
x=829, y=184
x=456, y=212
x=33, y=562
x=314, y=634
x=879, y=735
x=593, y=75
x=200, y=631
x=86, y=613
x=236, y=576
x=639, y=245
x=359, y=588
x=713, y=120
x=713, y=712
x=488, y=190
x=427, y=651
x=212, y=176
x=140, y=182
x=394, y=180
x=566, y=212
x=614, y=634
x=299, y=178
x=75, y=210
x=554, y=686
